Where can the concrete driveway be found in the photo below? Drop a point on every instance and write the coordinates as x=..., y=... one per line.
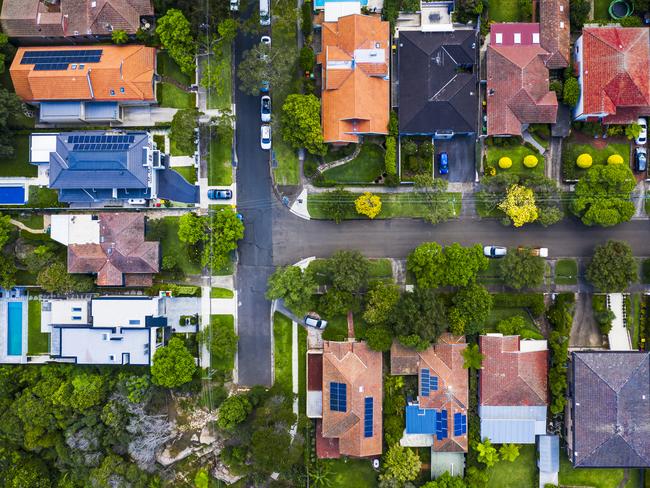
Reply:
x=584, y=332
x=462, y=155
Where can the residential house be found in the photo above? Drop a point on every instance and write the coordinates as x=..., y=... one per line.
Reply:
x=436, y=16
x=109, y=245
x=513, y=391
x=105, y=330
x=437, y=418
x=554, y=32
x=73, y=20
x=438, y=83
x=354, y=59
x=608, y=412
x=71, y=84
x=613, y=66
x=98, y=168
x=332, y=10
x=344, y=394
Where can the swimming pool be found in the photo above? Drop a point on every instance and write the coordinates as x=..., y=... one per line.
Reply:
x=12, y=195
x=15, y=328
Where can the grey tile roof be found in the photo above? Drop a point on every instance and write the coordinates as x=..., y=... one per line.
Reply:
x=611, y=409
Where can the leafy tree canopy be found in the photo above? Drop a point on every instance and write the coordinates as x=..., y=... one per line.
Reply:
x=520, y=269
x=233, y=411
x=294, y=286
x=613, y=267
x=471, y=308
x=173, y=365
x=401, y=464
x=176, y=37
x=454, y=265
x=301, y=125
x=380, y=302
x=349, y=270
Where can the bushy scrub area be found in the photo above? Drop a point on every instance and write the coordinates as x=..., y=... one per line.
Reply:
x=560, y=317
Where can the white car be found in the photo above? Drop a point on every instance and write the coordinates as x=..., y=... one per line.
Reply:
x=265, y=108
x=643, y=135
x=234, y=5
x=265, y=137
x=266, y=40
x=314, y=322
x=494, y=251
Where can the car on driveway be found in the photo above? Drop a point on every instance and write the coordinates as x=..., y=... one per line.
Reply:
x=314, y=322
x=641, y=159
x=443, y=167
x=215, y=194
x=265, y=136
x=495, y=251
x=643, y=135
x=265, y=108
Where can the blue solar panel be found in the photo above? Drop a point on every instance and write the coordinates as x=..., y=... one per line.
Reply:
x=424, y=382
x=433, y=383
x=50, y=66
x=463, y=423
x=367, y=420
x=60, y=56
x=458, y=430
x=91, y=146
x=338, y=397
x=441, y=425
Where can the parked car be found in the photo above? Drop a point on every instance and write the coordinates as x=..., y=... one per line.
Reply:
x=265, y=108
x=265, y=12
x=542, y=252
x=266, y=40
x=641, y=160
x=443, y=167
x=215, y=194
x=265, y=136
x=494, y=251
x=234, y=5
x=265, y=87
x=314, y=322
x=643, y=135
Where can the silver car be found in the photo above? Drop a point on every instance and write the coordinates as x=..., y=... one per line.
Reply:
x=494, y=251
x=315, y=323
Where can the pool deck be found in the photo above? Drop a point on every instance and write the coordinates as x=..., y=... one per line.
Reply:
x=4, y=329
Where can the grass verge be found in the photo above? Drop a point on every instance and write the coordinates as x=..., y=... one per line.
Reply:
x=222, y=100
x=566, y=272
x=287, y=171
x=223, y=362
x=219, y=164
x=37, y=341
x=221, y=293
x=282, y=350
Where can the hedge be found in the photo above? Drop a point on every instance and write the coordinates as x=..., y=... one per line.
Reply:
x=390, y=158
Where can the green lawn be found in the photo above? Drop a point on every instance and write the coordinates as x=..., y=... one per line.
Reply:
x=171, y=96
x=37, y=342
x=491, y=276
x=570, y=153
x=522, y=472
x=282, y=350
x=223, y=363
x=566, y=272
x=393, y=205
x=287, y=172
x=357, y=473
x=219, y=163
x=18, y=164
x=41, y=197
x=499, y=314
x=302, y=370
x=221, y=293
x=601, y=10
x=187, y=172
x=222, y=100
x=168, y=67
x=166, y=230
x=584, y=477
x=159, y=139
x=365, y=168
x=379, y=269
x=31, y=220
x=517, y=155
x=338, y=152
x=504, y=11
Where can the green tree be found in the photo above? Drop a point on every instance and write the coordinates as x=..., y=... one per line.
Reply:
x=337, y=204
x=632, y=131
x=509, y=452
x=227, y=29
x=215, y=75
x=427, y=263
x=471, y=307
x=9, y=104
x=472, y=357
x=578, y=13
x=487, y=453
x=434, y=191
x=421, y=314
x=613, y=267
x=55, y=279
x=521, y=269
x=191, y=228
x=8, y=272
x=39, y=258
x=476, y=478
x=571, y=93
x=202, y=479
x=307, y=59
x=454, y=265
x=175, y=35
x=602, y=196
x=379, y=338
x=233, y=411
x=446, y=481
x=181, y=132
x=221, y=337
x=463, y=263
x=225, y=230
x=269, y=448
x=301, y=123
x=119, y=36
x=380, y=302
x=273, y=64
x=511, y=325
x=6, y=229
x=173, y=365
x=336, y=302
x=349, y=270
x=87, y=391
x=401, y=464
x=294, y=286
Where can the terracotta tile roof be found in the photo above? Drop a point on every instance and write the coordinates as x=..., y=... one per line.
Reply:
x=32, y=18
x=611, y=409
x=122, y=258
x=510, y=377
x=518, y=89
x=126, y=70
x=554, y=32
x=355, y=59
x=360, y=369
x=615, y=70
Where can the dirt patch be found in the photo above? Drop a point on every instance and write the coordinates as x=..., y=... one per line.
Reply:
x=585, y=332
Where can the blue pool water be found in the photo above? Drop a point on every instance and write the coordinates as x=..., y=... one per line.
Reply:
x=15, y=329
x=14, y=195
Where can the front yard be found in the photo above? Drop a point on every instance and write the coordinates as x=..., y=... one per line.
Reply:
x=166, y=231
x=517, y=474
x=571, y=151
x=347, y=472
x=18, y=164
x=365, y=168
x=517, y=155
x=168, y=94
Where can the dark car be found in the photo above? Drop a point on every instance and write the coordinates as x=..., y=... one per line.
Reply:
x=641, y=160
x=215, y=194
x=443, y=167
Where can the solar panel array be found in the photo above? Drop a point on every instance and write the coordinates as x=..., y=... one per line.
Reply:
x=100, y=147
x=441, y=424
x=59, y=60
x=428, y=383
x=367, y=420
x=338, y=397
x=460, y=424
x=114, y=139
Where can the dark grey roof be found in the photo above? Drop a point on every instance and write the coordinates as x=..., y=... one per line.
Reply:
x=438, y=82
x=611, y=409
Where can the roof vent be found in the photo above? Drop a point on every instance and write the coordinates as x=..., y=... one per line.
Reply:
x=377, y=45
x=94, y=4
x=561, y=8
x=561, y=24
x=491, y=92
x=643, y=397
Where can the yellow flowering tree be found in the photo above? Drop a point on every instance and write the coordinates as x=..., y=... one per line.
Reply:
x=519, y=205
x=368, y=204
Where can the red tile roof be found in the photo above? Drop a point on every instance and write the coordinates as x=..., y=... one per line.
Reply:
x=554, y=32
x=360, y=369
x=518, y=89
x=510, y=377
x=615, y=71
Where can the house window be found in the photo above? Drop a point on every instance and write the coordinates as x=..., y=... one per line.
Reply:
x=499, y=38
x=561, y=8
x=74, y=66
x=535, y=37
x=112, y=92
x=76, y=317
x=111, y=357
x=76, y=309
x=517, y=38
x=104, y=337
x=134, y=322
x=121, y=89
x=81, y=66
x=561, y=24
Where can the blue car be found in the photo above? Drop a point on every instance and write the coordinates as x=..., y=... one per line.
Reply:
x=443, y=167
x=265, y=87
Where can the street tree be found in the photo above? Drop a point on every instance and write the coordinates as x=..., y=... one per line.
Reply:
x=337, y=204
x=613, y=267
x=519, y=205
x=225, y=230
x=471, y=308
x=454, y=265
x=380, y=302
x=368, y=204
x=521, y=269
x=173, y=365
x=401, y=464
x=191, y=228
x=294, y=286
x=215, y=75
x=227, y=29
x=427, y=263
x=349, y=271
x=233, y=411
x=472, y=357
x=602, y=196
x=336, y=302
x=176, y=37
x=264, y=63
x=434, y=191
x=301, y=125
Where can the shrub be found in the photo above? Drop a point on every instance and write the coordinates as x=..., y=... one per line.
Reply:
x=584, y=161
x=631, y=21
x=557, y=86
x=571, y=92
x=307, y=58
x=505, y=162
x=603, y=315
x=615, y=159
x=305, y=24
x=530, y=161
